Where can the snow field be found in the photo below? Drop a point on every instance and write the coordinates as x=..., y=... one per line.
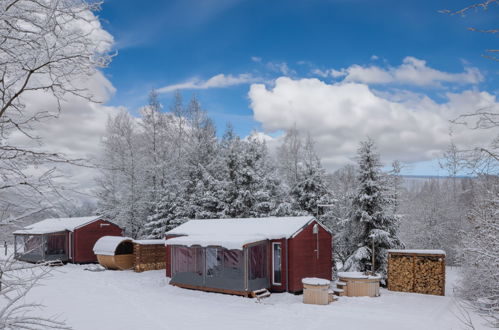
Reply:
x=126, y=300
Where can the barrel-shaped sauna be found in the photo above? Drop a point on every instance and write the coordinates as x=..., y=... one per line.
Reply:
x=114, y=252
x=358, y=284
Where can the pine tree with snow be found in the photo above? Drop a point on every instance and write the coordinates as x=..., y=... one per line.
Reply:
x=250, y=182
x=371, y=218
x=311, y=189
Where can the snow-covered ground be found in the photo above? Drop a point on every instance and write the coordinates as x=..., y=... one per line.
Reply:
x=127, y=300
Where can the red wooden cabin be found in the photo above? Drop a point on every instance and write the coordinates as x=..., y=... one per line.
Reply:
x=65, y=239
x=240, y=256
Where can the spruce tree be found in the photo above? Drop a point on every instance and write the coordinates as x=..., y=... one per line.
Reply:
x=311, y=189
x=371, y=218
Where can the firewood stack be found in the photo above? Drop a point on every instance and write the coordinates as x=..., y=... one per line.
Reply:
x=149, y=257
x=418, y=271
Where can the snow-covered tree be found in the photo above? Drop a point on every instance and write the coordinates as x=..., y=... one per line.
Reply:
x=48, y=49
x=481, y=251
x=343, y=185
x=250, y=182
x=16, y=281
x=122, y=186
x=311, y=189
x=371, y=219
x=435, y=215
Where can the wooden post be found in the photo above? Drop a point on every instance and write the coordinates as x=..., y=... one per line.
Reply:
x=372, y=252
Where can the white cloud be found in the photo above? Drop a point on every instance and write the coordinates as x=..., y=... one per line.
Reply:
x=218, y=81
x=412, y=71
x=280, y=67
x=407, y=127
x=256, y=59
x=76, y=132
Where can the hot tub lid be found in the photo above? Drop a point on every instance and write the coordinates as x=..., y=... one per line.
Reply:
x=359, y=275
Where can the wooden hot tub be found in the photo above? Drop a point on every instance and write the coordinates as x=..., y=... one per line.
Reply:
x=356, y=284
x=315, y=291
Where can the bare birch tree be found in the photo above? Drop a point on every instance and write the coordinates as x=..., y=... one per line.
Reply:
x=48, y=48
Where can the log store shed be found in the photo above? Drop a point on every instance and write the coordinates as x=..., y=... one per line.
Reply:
x=243, y=256
x=65, y=239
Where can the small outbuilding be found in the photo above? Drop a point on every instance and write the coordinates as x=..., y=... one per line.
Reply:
x=242, y=256
x=418, y=271
x=114, y=252
x=122, y=253
x=65, y=239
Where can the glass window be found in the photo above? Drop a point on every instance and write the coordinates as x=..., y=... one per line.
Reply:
x=276, y=263
x=33, y=244
x=214, y=262
x=56, y=244
x=233, y=264
x=257, y=262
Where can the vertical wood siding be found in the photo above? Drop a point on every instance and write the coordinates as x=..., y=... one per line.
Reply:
x=303, y=260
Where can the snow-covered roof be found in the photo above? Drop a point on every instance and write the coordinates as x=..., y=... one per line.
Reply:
x=235, y=233
x=54, y=225
x=149, y=241
x=438, y=252
x=106, y=245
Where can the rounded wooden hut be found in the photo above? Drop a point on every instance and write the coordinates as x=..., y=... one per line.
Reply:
x=115, y=252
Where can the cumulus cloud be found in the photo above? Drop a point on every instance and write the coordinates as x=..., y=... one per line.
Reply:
x=412, y=71
x=76, y=132
x=408, y=127
x=218, y=81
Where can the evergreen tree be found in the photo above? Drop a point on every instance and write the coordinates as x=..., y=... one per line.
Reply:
x=371, y=219
x=311, y=189
x=250, y=183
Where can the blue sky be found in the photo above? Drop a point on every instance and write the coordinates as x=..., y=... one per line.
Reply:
x=165, y=43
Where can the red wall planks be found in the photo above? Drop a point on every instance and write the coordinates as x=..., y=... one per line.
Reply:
x=85, y=237
x=303, y=259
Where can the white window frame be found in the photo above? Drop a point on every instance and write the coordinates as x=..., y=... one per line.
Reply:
x=70, y=245
x=273, y=263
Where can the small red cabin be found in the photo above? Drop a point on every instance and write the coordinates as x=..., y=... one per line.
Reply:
x=65, y=239
x=240, y=256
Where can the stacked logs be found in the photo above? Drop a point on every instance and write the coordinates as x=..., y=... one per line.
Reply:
x=149, y=257
x=400, y=273
x=416, y=272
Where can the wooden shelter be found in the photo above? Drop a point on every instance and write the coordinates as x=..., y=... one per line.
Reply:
x=242, y=256
x=419, y=271
x=65, y=239
x=149, y=255
x=121, y=253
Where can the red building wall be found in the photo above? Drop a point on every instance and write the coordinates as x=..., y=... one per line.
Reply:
x=168, y=261
x=303, y=261
x=84, y=239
